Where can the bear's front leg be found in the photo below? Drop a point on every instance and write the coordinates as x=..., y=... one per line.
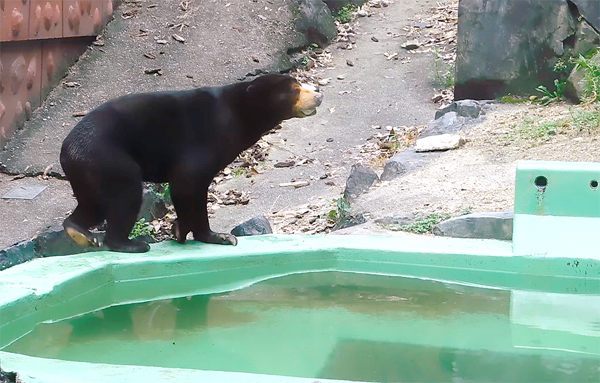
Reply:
x=192, y=215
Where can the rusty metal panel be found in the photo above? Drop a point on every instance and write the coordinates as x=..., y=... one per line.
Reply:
x=34, y=53
x=83, y=17
x=45, y=19
x=20, y=83
x=14, y=20
x=57, y=56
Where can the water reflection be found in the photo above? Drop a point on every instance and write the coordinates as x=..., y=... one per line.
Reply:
x=345, y=326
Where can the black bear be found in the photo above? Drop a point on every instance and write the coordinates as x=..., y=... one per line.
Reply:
x=182, y=137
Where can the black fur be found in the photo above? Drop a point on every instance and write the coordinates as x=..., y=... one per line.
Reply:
x=182, y=137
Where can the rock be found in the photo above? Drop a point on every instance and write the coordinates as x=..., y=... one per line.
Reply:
x=463, y=108
x=393, y=168
x=589, y=11
x=153, y=206
x=255, y=226
x=399, y=220
x=439, y=143
x=495, y=225
x=8, y=377
x=576, y=83
x=16, y=254
x=360, y=180
x=350, y=220
x=337, y=4
x=410, y=45
x=449, y=123
x=316, y=22
x=482, y=71
x=55, y=242
x=422, y=25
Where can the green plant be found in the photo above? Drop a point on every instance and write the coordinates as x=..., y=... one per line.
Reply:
x=548, y=96
x=164, y=189
x=591, y=76
x=141, y=227
x=340, y=212
x=240, y=171
x=423, y=225
x=513, y=99
x=443, y=73
x=304, y=61
x=589, y=120
x=533, y=129
x=345, y=14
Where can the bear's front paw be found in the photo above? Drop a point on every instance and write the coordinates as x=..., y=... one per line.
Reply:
x=217, y=238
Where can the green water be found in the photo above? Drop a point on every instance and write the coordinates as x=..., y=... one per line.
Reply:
x=345, y=326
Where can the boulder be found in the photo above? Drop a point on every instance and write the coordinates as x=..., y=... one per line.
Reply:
x=463, y=108
x=16, y=254
x=441, y=142
x=315, y=22
x=495, y=225
x=54, y=241
x=258, y=225
x=337, y=4
x=506, y=46
x=394, y=168
x=575, y=89
x=153, y=206
x=448, y=123
x=360, y=180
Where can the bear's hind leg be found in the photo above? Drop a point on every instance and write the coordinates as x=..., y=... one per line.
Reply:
x=123, y=191
x=89, y=211
x=77, y=224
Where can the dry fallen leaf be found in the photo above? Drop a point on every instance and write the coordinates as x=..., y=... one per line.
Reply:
x=176, y=37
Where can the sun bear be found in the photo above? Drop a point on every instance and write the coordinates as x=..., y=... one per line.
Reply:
x=181, y=137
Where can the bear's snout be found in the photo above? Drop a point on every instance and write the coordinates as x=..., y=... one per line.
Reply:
x=307, y=102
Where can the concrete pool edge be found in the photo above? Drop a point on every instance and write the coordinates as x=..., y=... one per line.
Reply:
x=59, y=287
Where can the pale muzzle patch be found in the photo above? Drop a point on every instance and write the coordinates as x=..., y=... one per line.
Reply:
x=308, y=100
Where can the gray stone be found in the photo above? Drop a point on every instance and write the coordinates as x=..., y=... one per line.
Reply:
x=589, y=11
x=153, y=206
x=350, y=220
x=494, y=225
x=399, y=220
x=394, y=168
x=441, y=142
x=55, y=242
x=16, y=254
x=448, y=123
x=507, y=46
x=258, y=225
x=360, y=180
x=576, y=83
x=463, y=108
x=316, y=22
x=337, y=4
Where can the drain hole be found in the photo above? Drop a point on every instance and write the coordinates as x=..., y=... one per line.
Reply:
x=541, y=182
x=594, y=184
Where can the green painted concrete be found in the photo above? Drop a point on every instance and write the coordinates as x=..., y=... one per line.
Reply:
x=554, y=250
x=564, y=217
x=568, y=192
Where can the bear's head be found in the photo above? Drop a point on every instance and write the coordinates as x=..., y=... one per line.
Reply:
x=283, y=97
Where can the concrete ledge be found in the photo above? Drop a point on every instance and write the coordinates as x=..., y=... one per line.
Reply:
x=51, y=289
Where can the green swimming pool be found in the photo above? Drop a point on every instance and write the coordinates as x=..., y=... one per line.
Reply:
x=344, y=326
x=308, y=309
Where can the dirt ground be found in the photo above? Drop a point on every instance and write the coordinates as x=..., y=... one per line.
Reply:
x=480, y=176
x=370, y=81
